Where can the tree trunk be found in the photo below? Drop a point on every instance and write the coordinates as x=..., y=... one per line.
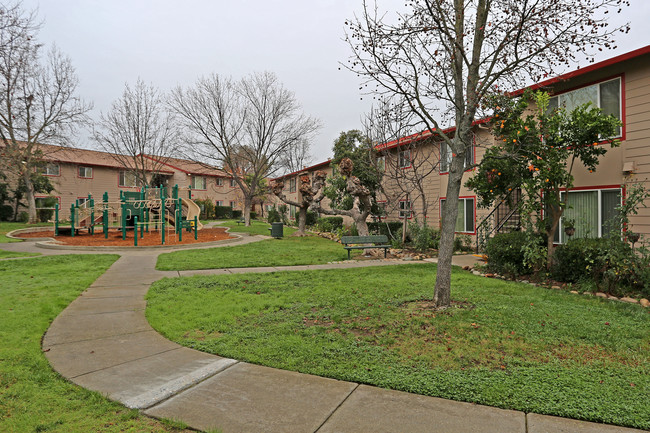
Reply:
x=247, y=211
x=442, y=290
x=362, y=225
x=302, y=221
x=550, y=233
x=31, y=201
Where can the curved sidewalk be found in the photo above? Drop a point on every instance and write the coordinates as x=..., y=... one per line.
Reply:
x=102, y=341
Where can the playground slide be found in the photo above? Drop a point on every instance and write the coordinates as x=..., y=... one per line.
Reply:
x=193, y=210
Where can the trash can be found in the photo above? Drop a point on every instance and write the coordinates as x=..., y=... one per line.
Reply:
x=277, y=230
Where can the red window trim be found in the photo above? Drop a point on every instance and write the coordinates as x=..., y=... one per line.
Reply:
x=399, y=210
x=441, y=173
x=409, y=159
x=124, y=186
x=199, y=189
x=473, y=197
x=51, y=175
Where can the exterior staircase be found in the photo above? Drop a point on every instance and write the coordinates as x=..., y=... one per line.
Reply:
x=504, y=218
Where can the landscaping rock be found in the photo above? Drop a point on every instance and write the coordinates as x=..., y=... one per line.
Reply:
x=476, y=273
x=630, y=300
x=466, y=268
x=558, y=288
x=575, y=292
x=644, y=302
x=489, y=275
x=601, y=295
x=612, y=297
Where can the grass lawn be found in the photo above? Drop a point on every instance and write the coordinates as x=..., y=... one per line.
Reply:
x=502, y=344
x=6, y=227
x=256, y=228
x=11, y=254
x=287, y=251
x=33, y=398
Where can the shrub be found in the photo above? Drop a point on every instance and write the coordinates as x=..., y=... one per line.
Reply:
x=236, y=214
x=44, y=215
x=607, y=264
x=223, y=212
x=505, y=253
x=207, y=208
x=461, y=243
x=6, y=212
x=253, y=215
x=273, y=216
x=329, y=224
x=423, y=237
x=312, y=217
x=23, y=217
x=385, y=228
x=283, y=210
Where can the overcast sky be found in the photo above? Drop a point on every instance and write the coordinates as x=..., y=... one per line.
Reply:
x=171, y=42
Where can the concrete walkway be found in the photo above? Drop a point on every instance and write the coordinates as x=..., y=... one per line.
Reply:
x=103, y=342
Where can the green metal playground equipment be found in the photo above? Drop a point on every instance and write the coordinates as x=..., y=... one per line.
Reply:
x=144, y=209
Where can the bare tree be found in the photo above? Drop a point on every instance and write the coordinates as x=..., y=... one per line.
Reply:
x=37, y=98
x=444, y=56
x=296, y=157
x=246, y=126
x=307, y=193
x=407, y=158
x=139, y=132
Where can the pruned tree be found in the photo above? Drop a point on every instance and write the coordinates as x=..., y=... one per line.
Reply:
x=38, y=102
x=139, y=132
x=308, y=192
x=443, y=57
x=245, y=126
x=352, y=190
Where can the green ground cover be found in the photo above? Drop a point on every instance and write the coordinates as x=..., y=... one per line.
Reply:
x=11, y=254
x=33, y=398
x=502, y=344
x=6, y=227
x=256, y=228
x=288, y=251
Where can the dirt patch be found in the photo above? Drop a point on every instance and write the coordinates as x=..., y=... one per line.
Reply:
x=115, y=237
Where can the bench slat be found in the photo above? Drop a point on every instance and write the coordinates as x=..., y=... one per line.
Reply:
x=373, y=239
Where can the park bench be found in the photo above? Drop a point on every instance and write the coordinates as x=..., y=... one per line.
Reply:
x=241, y=221
x=372, y=241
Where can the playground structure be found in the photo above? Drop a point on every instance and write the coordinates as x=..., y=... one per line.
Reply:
x=137, y=211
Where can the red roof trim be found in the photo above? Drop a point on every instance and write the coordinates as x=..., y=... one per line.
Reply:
x=185, y=171
x=320, y=164
x=581, y=71
x=421, y=136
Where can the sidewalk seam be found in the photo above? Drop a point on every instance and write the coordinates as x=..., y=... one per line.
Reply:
x=99, y=338
x=356, y=385
x=125, y=362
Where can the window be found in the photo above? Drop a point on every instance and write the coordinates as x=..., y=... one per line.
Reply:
x=405, y=209
x=591, y=212
x=85, y=172
x=233, y=183
x=219, y=181
x=446, y=154
x=605, y=95
x=50, y=169
x=404, y=158
x=292, y=185
x=381, y=163
x=128, y=179
x=380, y=214
x=466, y=219
x=232, y=204
x=81, y=201
x=46, y=202
x=198, y=182
x=292, y=211
x=218, y=203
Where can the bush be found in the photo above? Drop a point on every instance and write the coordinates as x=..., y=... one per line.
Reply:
x=312, y=217
x=423, y=237
x=385, y=228
x=253, y=215
x=462, y=243
x=505, y=253
x=329, y=224
x=207, y=208
x=273, y=216
x=236, y=214
x=223, y=212
x=607, y=264
x=6, y=212
x=44, y=215
x=23, y=217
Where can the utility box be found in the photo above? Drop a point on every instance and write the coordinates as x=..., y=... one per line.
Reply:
x=277, y=230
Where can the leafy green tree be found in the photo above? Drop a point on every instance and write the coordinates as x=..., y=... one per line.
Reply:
x=537, y=152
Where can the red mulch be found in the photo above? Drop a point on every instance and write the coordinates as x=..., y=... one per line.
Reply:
x=115, y=237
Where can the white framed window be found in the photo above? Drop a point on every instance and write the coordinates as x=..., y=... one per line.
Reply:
x=446, y=155
x=466, y=219
x=82, y=201
x=591, y=212
x=381, y=163
x=292, y=185
x=605, y=95
x=404, y=158
x=198, y=182
x=219, y=181
x=85, y=172
x=233, y=183
x=50, y=169
x=232, y=204
x=128, y=179
x=405, y=209
x=218, y=203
